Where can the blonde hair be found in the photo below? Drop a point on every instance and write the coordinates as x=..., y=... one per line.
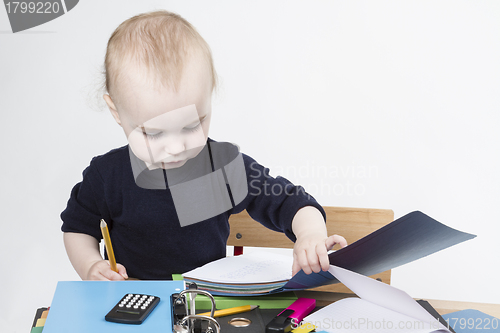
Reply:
x=161, y=41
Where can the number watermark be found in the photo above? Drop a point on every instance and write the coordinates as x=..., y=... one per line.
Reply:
x=474, y=323
x=33, y=7
x=24, y=15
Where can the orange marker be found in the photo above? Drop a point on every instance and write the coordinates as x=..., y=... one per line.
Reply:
x=231, y=311
x=109, y=247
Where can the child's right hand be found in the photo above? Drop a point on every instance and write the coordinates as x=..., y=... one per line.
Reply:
x=100, y=270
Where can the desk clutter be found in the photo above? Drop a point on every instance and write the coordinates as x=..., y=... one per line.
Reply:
x=379, y=306
x=264, y=280
x=39, y=321
x=82, y=306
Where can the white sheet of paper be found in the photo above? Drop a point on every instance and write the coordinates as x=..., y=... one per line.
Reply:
x=254, y=267
x=381, y=307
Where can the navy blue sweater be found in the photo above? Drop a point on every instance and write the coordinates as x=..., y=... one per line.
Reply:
x=145, y=231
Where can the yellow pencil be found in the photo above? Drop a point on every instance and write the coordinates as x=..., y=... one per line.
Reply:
x=109, y=247
x=231, y=311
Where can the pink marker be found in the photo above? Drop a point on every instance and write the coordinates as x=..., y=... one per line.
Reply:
x=296, y=311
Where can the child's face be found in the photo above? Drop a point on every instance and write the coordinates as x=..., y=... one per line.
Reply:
x=164, y=128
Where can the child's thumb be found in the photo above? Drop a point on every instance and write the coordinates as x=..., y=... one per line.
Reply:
x=335, y=239
x=122, y=270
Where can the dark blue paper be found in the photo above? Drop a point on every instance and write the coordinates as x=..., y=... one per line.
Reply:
x=404, y=240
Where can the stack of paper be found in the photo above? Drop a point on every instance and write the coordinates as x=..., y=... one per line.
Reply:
x=254, y=273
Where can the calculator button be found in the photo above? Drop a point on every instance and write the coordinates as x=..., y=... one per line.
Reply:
x=132, y=308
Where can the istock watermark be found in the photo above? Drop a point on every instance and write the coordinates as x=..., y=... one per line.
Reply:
x=28, y=14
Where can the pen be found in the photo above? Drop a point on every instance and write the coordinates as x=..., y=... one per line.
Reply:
x=109, y=247
x=231, y=311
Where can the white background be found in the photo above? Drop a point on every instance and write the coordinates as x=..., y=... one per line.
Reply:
x=397, y=100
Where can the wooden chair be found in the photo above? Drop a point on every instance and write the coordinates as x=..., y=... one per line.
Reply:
x=351, y=223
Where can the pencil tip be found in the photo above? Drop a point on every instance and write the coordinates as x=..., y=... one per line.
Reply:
x=103, y=223
x=253, y=307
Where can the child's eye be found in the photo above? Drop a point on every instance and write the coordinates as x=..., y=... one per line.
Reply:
x=195, y=127
x=153, y=136
x=192, y=128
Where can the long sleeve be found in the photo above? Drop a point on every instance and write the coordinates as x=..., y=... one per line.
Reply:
x=273, y=201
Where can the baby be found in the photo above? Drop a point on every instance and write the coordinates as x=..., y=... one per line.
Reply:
x=168, y=195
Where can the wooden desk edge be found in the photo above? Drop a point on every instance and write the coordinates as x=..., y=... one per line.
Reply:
x=443, y=307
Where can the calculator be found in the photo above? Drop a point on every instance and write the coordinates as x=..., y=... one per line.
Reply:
x=133, y=309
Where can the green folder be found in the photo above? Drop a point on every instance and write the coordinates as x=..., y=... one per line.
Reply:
x=272, y=301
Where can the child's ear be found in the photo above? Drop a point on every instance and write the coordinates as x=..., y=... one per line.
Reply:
x=112, y=108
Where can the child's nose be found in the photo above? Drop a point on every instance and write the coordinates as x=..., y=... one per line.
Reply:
x=174, y=147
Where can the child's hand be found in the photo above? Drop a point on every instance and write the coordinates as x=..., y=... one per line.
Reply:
x=100, y=270
x=310, y=252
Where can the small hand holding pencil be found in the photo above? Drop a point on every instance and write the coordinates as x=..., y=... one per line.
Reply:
x=111, y=257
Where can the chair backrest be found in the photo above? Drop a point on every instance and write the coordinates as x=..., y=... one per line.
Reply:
x=351, y=223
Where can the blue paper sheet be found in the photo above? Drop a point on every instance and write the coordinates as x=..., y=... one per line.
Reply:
x=80, y=306
x=466, y=321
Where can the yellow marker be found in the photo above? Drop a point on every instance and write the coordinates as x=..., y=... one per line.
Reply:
x=305, y=328
x=109, y=247
x=231, y=311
